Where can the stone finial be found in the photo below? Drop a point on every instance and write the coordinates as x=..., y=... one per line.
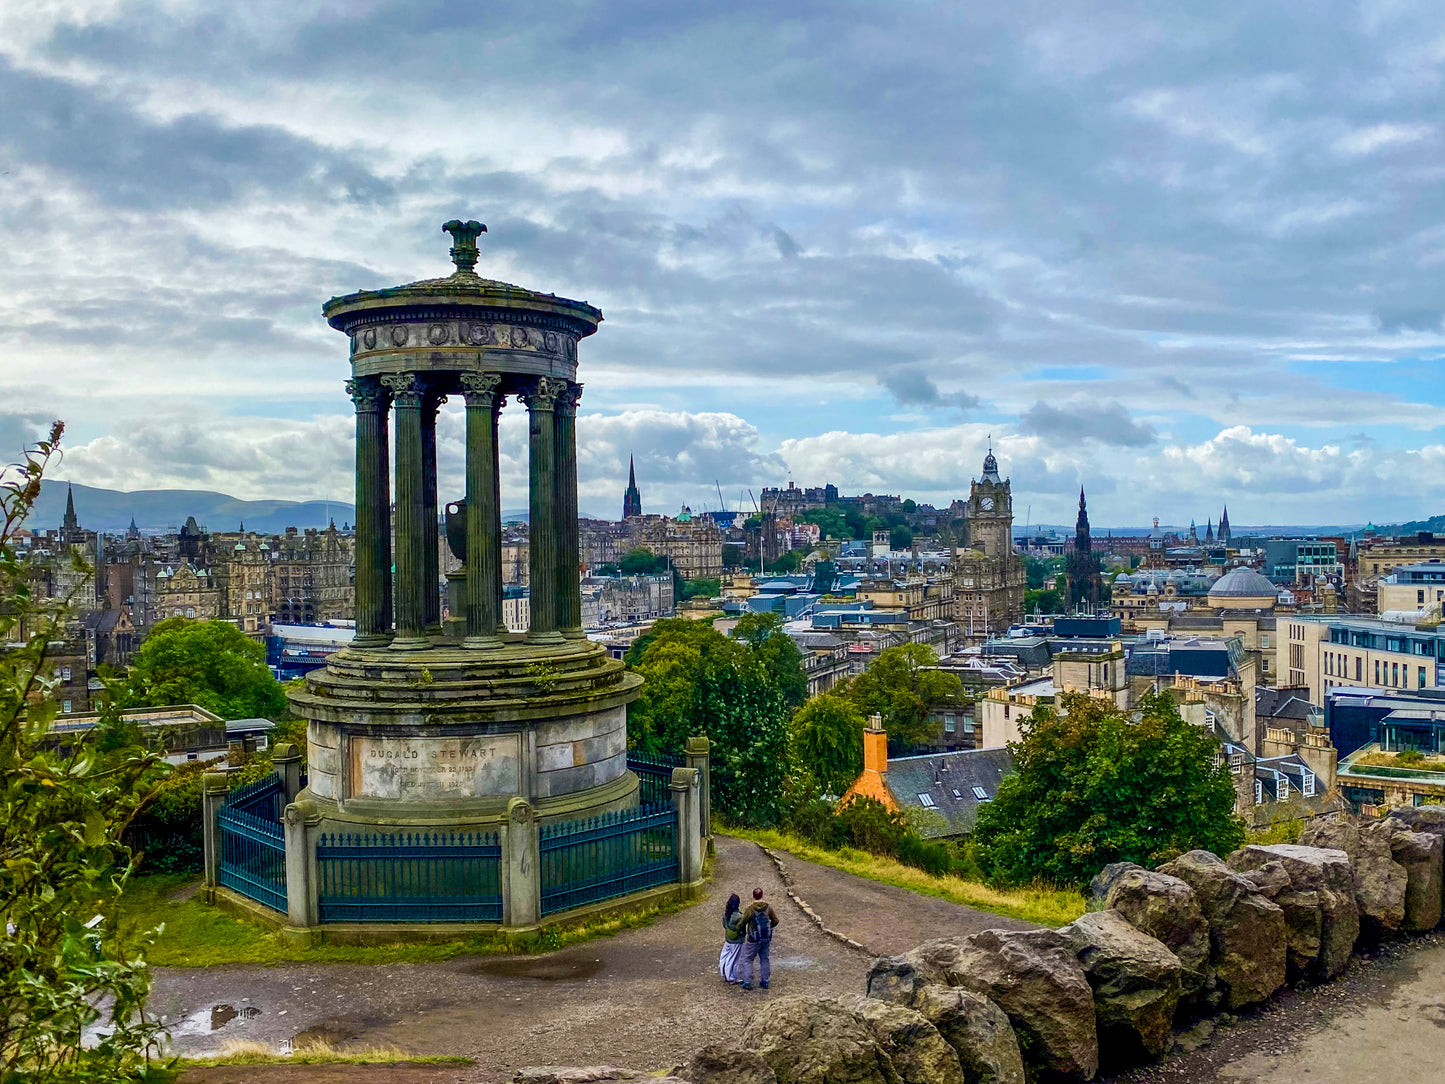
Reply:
x=464, y=242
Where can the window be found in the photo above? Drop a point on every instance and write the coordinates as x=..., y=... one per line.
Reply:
x=958, y=794
x=1264, y=640
x=1395, y=674
x=926, y=801
x=1307, y=785
x=1422, y=677
x=1282, y=787
x=1377, y=671
x=1258, y=792
x=1359, y=662
x=1420, y=596
x=66, y=707
x=65, y=673
x=980, y=794
x=950, y=723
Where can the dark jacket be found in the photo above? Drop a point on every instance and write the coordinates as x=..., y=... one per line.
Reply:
x=752, y=908
x=733, y=927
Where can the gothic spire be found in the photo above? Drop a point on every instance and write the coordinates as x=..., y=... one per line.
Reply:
x=70, y=523
x=632, y=498
x=1081, y=527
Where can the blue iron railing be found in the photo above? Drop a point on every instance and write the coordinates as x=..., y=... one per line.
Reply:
x=426, y=877
x=597, y=859
x=265, y=798
x=654, y=772
x=253, y=856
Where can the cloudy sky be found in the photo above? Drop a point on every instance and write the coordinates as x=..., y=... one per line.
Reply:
x=1182, y=254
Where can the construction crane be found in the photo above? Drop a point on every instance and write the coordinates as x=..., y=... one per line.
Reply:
x=721, y=504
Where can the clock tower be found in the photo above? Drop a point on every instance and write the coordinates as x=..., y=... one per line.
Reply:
x=988, y=575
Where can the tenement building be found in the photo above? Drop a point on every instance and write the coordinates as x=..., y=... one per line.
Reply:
x=988, y=575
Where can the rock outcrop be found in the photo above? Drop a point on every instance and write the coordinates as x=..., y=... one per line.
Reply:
x=1105, y=879
x=978, y=1030
x=919, y=1053
x=1246, y=930
x=1135, y=981
x=808, y=1040
x=726, y=1065
x=1035, y=978
x=1320, y=907
x=1380, y=881
x=894, y=978
x=1419, y=854
x=1166, y=909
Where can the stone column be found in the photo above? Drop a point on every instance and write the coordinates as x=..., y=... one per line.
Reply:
x=685, y=799
x=373, y=514
x=431, y=602
x=521, y=867
x=541, y=400
x=407, y=393
x=214, y=786
x=484, y=512
x=286, y=759
x=299, y=823
x=699, y=756
x=569, y=558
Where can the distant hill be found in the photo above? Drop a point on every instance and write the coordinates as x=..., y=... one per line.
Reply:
x=1435, y=524
x=159, y=510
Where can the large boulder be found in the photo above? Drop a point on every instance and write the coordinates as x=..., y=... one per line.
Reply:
x=809, y=1040
x=1104, y=880
x=893, y=978
x=1269, y=880
x=1246, y=930
x=1338, y=834
x=978, y=1030
x=587, y=1074
x=1323, y=881
x=1034, y=976
x=1380, y=882
x=1166, y=909
x=1421, y=818
x=920, y=1054
x=1135, y=981
x=1419, y=854
x=725, y=1065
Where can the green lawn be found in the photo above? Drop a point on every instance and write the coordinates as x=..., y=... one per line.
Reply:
x=1042, y=904
x=198, y=935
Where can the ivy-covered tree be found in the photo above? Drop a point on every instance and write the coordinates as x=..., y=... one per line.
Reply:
x=902, y=686
x=699, y=681
x=209, y=663
x=826, y=742
x=63, y=809
x=1093, y=785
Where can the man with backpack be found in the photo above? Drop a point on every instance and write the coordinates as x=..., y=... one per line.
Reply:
x=757, y=924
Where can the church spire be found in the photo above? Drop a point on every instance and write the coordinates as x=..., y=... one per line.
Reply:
x=1082, y=541
x=631, y=499
x=70, y=523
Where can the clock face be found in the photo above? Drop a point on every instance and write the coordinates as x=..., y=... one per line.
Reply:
x=986, y=503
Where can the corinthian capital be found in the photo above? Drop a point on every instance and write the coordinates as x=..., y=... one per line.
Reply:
x=569, y=397
x=406, y=388
x=542, y=393
x=481, y=389
x=366, y=393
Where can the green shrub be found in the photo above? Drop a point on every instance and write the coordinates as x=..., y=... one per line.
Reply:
x=871, y=826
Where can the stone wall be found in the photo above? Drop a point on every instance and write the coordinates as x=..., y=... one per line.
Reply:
x=1159, y=949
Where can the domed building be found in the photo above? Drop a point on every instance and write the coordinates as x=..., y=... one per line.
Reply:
x=1243, y=589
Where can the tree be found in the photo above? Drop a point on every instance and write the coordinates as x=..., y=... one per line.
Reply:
x=826, y=741
x=209, y=663
x=1045, y=602
x=775, y=649
x=642, y=562
x=901, y=687
x=699, y=681
x=787, y=563
x=829, y=520
x=900, y=539
x=910, y=506
x=697, y=588
x=63, y=809
x=1091, y=785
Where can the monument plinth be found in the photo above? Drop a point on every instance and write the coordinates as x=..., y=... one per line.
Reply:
x=416, y=724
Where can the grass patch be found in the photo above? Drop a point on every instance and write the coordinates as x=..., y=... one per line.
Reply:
x=1044, y=905
x=199, y=935
x=1284, y=831
x=246, y=1052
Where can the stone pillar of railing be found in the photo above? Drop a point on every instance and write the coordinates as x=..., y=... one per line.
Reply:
x=699, y=756
x=541, y=400
x=686, y=799
x=521, y=867
x=408, y=394
x=484, y=514
x=301, y=823
x=569, y=557
x=431, y=540
x=373, y=513
x=286, y=759
x=214, y=786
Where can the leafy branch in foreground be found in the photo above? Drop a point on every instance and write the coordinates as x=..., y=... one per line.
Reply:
x=72, y=997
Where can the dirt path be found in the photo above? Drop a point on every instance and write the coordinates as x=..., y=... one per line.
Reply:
x=1384, y=1020
x=643, y=998
x=886, y=919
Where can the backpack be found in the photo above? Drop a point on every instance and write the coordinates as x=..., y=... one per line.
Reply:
x=760, y=927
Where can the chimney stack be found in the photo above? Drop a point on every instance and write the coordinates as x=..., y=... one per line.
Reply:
x=875, y=746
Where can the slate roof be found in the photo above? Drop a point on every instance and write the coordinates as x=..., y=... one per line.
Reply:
x=948, y=779
x=1281, y=704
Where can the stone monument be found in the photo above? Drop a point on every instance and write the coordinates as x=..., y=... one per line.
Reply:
x=415, y=725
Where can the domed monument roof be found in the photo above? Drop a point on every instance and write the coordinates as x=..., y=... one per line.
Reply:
x=1243, y=588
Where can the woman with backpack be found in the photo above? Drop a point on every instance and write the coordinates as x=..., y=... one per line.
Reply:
x=732, y=948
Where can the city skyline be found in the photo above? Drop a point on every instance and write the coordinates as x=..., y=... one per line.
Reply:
x=1182, y=263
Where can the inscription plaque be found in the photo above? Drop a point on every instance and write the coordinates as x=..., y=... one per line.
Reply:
x=431, y=769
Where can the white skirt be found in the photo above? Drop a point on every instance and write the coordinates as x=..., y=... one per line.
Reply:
x=727, y=960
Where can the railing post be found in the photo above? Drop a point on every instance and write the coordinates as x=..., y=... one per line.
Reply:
x=699, y=756
x=287, y=760
x=521, y=867
x=686, y=800
x=300, y=822
x=214, y=786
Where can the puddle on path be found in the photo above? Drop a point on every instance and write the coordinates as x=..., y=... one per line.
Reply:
x=221, y=1015
x=795, y=963
x=341, y=1029
x=550, y=969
